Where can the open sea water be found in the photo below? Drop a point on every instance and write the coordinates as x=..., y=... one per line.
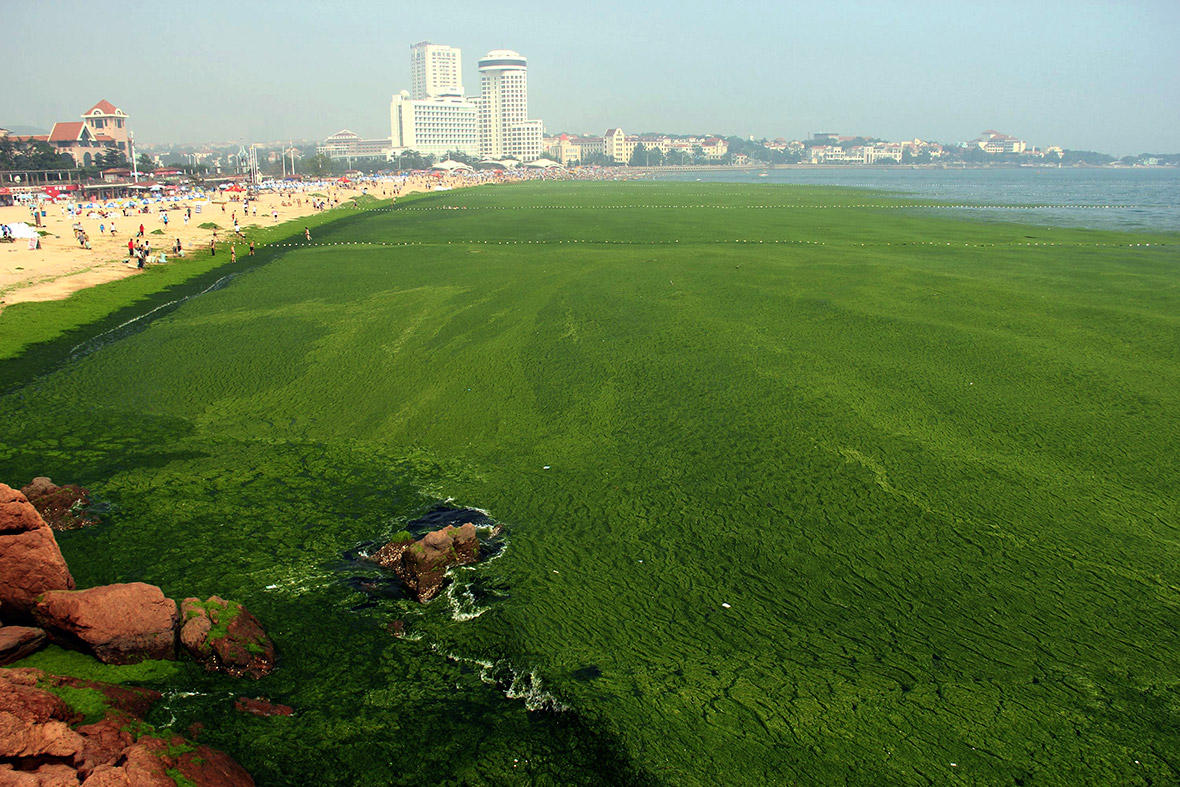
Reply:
x=1126, y=199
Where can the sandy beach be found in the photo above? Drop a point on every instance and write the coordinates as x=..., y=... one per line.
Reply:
x=63, y=266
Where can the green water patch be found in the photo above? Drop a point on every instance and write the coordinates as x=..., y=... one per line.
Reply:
x=798, y=512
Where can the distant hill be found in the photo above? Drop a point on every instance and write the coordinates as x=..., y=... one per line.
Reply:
x=25, y=129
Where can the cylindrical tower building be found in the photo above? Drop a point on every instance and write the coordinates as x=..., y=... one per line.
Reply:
x=503, y=101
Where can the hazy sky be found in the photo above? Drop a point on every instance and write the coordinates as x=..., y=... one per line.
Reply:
x=1078, y=73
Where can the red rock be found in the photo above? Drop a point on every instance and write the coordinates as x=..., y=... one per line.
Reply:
x=224, y=636
x=16, y=642
x=119, y=624
x=20, y=697
x=17, y=515
x=260, y=706
x=422, y=565
x=38, y=743
x=212, y=768
x=30, y=561
x=62, y=507
x=56, y=775
x=103, y=743
x=145, y=764
x=109, y=776
x=194, y=629
x=21, y=739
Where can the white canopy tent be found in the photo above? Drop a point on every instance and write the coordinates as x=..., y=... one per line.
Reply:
x=452, y=166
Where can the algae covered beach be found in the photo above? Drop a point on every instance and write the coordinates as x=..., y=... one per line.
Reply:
x=799, y=485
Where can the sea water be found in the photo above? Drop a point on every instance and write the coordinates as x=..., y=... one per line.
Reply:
x=1133, y=199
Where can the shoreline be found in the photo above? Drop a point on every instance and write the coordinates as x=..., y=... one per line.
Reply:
x=62, y=266
x=58, y=286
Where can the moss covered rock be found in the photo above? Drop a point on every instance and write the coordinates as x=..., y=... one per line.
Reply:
x=222, y=635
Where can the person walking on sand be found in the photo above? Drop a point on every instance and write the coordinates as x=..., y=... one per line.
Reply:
x=130, y=248
x=213, y=247
x=140, y=235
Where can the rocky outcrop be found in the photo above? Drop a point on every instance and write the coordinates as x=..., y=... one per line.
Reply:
x=261, y=706
x=42, y=740
x=422, y=565
x=16, y=642
x=118, y=624
x=62, y=507
x=224, y=636
x=30, y=561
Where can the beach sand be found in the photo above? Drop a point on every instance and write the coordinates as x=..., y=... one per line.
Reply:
x=61, y=266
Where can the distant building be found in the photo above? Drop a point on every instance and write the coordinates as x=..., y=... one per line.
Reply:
x=994, y=142
x=435, y=118
x=504, y=127
x=346, y=145
x=435, y=70
x=563, y=149
x=614, y=145
x=434, y=126
x=104, y=127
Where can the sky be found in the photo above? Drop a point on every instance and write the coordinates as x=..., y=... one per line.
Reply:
x=1082, y=74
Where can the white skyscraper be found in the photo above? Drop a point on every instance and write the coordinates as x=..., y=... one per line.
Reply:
x=504, y=129
x=435, y=70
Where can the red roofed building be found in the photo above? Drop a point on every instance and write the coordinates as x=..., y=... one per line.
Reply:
x=103, y=127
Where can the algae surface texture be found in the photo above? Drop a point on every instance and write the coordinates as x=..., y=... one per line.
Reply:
x=797, y=487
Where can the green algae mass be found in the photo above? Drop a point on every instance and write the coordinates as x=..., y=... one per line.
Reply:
x=799, y=487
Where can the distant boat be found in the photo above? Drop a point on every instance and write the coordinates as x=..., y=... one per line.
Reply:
x=763, y=175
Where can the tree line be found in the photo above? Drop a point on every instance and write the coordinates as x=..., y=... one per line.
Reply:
x=29, y=154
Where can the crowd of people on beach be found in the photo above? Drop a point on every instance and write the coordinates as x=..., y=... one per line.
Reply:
x=94, y=225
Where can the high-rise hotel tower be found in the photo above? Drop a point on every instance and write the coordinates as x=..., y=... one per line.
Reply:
x=504, y=129
x=435, y=70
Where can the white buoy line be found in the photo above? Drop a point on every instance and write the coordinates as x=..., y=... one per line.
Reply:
x=707, y=242
x=785, y=206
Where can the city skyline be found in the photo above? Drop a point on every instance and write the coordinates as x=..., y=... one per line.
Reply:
x=1086, y=76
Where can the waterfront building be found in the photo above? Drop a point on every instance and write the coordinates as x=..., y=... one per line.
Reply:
x=434, y=117
x=103, y=127
x=995, y=142
x=504, y=127
x=615, y=147
x=434, y=126
x=346, y=145
x=435, y=70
